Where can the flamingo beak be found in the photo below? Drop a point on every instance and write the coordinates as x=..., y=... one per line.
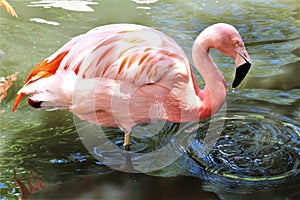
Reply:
x=17, y=101
x=242, y=69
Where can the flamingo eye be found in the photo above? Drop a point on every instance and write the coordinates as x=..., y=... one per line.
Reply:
x=236, y=42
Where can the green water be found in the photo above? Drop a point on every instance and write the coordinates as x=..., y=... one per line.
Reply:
x=257, y=154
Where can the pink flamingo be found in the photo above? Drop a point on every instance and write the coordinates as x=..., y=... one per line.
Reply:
x=124, y=74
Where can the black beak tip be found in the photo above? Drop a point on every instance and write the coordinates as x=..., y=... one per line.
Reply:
x=240, y=74
x=34, y=104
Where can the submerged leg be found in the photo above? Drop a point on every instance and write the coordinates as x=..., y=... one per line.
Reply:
x=127, y=141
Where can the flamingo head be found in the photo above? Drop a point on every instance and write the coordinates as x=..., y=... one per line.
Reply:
x=226, y=39
x=50, y=93
x=47, y=87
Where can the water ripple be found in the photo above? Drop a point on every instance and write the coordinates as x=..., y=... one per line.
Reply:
x=256, y=145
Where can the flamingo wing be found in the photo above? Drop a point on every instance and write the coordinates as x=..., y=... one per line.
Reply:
x=112, y=51
x=125, y=52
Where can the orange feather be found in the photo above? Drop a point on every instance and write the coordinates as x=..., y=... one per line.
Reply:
x=42, y=70
x=8, y=8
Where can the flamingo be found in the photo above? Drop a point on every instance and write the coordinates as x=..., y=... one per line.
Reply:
x=121, y=75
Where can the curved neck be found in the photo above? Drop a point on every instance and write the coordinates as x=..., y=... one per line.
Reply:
x=214, y=93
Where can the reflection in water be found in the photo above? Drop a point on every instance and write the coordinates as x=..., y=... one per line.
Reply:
x=145, y=1
x=120, y=185
x=259, y=147
x=39, y=20
x=82, y=6
x=148, y=152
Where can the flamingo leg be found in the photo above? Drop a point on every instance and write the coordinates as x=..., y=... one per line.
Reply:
x=127, y=141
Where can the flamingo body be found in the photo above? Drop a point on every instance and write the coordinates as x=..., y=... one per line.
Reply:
x=125, y=74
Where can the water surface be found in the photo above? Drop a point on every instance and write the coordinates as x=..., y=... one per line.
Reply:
x=257, y=152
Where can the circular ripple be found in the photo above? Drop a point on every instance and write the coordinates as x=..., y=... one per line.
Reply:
x=255, y=145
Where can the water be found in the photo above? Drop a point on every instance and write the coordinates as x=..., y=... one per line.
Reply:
x=256, y=154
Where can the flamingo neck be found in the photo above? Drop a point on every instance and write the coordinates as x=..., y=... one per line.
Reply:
x=214, y=93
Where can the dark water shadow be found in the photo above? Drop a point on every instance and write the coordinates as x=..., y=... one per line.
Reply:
x=121, y=185
x=287, y=79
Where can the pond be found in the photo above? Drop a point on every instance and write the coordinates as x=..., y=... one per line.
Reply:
x=256, y=154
